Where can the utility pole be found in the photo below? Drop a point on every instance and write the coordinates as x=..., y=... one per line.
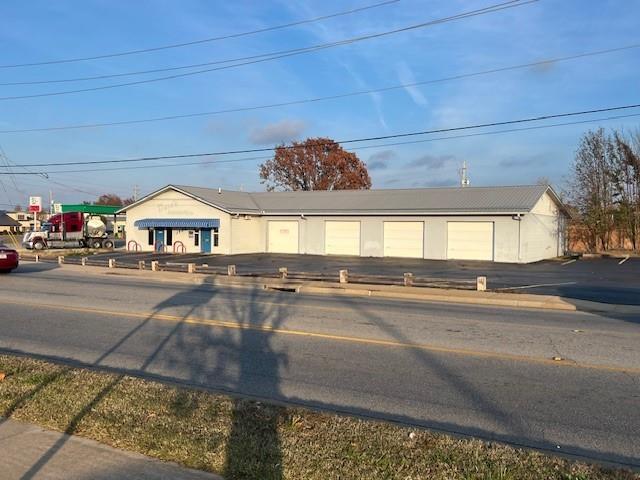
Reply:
x=464, y=178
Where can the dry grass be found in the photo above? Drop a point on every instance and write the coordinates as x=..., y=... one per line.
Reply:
x=241, y=439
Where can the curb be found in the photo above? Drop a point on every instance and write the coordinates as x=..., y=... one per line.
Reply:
x=544, y=302
x=426, y=294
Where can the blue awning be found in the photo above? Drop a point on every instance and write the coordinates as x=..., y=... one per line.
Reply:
x=178, y=223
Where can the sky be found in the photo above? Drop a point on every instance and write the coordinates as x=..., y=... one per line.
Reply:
x=42, y=30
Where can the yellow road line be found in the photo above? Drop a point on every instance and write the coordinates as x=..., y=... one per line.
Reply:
x=342, y=338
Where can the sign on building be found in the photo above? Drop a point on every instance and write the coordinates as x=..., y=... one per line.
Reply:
x=35, y=204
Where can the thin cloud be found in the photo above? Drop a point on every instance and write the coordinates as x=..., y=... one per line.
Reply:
x=445, y=182
x=520, y=162
x=379, y=160
x=432, y=162
x=376, y=97
x=278, y=132
x=405, y=74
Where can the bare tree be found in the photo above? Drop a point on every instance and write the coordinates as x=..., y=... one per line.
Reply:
x=109, y=199
x=626, y=179
x=591, y=188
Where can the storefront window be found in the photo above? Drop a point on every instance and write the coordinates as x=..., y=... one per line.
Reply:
x=150, y=240
x=215, y=236
x=196, y=239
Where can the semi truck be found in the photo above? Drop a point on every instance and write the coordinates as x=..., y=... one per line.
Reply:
x=68, y=230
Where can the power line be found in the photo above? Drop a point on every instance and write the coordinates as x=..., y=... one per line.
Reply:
x=365, y=147
x=10, y=164
x=285, y=53
x=329, y=97
x=205, y=40
x=356, y=140
x=268, y=55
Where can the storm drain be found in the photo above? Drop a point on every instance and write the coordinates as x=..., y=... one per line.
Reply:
x=282, y=288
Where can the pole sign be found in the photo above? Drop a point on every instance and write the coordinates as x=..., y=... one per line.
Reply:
x=35, y=204
x=57, y=208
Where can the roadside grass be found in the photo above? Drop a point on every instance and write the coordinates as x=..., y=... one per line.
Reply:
x=242, y=439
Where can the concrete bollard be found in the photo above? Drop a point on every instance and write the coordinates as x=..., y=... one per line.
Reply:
x=112, y=263
x=408, y=279
x=231, y=270
x=141, y=265
x=60, y=259
x=154, y=266
x=191, y=268
x=344, y=276
x=37, y=258
x=83, y=261
x=481, y=284
x=283, y=272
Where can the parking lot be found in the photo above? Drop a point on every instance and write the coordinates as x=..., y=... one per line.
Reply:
x=598, y=279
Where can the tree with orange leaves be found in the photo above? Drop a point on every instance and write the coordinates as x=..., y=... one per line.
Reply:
x=315, y=164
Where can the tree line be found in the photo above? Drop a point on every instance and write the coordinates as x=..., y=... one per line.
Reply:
x=603, y=190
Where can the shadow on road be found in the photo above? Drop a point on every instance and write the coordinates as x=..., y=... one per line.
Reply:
x=241, y=358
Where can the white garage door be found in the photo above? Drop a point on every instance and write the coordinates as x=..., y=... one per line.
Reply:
x=470, y=240
x=342, y=238
x=283, y=237
x=404, y=239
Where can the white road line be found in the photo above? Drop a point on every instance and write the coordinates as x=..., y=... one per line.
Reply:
x=536, y=286
x=623, y=260
x=569, y=261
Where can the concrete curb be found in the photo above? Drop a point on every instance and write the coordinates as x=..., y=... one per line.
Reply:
x=465, y=297
x=545, y=302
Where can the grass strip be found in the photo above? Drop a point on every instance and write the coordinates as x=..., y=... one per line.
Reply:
x=243, y=439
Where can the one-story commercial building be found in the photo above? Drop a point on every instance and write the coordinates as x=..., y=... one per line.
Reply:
x=9, y=224
x=517, y=224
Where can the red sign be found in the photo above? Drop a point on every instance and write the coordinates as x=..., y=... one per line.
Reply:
x=35, y=204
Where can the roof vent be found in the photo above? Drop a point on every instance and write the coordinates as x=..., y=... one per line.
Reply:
x=219, y=190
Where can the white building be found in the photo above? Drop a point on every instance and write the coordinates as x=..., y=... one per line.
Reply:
x=518, y=224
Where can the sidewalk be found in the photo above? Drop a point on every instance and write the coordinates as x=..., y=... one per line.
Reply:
x=29, y=452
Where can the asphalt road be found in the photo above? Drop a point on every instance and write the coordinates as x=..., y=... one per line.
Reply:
x=468, y=370
x=600, y=280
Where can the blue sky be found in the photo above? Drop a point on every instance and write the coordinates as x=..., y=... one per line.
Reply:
x=43, y=30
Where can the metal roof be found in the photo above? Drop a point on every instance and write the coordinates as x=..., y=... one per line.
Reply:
x=435, y=201
x=7, y=221
x=91, y=209
x=229, y=200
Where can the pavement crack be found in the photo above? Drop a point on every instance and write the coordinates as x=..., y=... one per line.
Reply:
x=554, y=347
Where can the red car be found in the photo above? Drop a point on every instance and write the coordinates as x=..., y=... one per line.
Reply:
x=8, y=259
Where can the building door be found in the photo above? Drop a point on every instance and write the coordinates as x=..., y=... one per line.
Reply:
x=341, y=238
x=205, y=241
x=282, y=236
x=403, y=239
x=159, y=240
x=470, y=240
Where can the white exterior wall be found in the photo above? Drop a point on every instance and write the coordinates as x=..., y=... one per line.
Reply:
x=248, y=234
x=312, y=232
x=533, y=238
x=543, y=231
x=172, y=204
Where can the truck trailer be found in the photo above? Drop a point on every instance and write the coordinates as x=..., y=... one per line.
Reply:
x=69, y=230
